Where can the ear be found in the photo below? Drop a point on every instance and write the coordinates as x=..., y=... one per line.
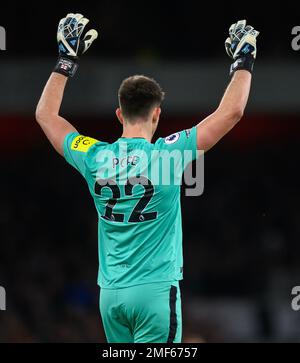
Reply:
x=156, y=114
x=119, y=115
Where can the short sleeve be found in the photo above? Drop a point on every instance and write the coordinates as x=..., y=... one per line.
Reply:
x=183, y=142
x=76, y=147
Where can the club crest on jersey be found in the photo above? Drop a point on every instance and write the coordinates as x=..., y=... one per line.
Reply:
x=82, y=143
x=172, y=138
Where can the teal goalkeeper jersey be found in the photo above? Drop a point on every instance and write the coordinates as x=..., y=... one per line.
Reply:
x=135, y=185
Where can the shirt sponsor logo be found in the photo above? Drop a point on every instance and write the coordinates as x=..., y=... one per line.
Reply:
x=83, y=143
x=172, y=138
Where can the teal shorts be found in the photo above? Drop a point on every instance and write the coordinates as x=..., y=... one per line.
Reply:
x=149, y=313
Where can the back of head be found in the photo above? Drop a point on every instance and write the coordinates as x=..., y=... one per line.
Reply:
x=138, y=96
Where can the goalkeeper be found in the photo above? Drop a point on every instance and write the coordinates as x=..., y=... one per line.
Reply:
x=140, y=233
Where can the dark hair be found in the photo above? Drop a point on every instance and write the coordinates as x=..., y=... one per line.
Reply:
x=138, y=95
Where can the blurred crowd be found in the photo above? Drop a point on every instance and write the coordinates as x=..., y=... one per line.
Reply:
x=240, y=243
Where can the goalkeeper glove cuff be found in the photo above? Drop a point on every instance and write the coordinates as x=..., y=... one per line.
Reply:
x=66, y=66
x=246, y=62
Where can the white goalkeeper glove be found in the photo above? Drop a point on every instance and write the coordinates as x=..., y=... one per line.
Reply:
x=71, y=43
x=241, y=46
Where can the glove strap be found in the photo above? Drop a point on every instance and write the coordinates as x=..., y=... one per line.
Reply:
x=246, y=63
x=66, y=66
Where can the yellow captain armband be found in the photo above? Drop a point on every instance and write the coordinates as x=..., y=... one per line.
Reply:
x=83, y=143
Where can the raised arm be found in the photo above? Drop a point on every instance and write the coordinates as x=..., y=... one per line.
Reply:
x=71, y=45
x=241, y=47
x=54, y=126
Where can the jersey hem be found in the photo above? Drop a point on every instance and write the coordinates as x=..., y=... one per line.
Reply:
x=140, y=283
